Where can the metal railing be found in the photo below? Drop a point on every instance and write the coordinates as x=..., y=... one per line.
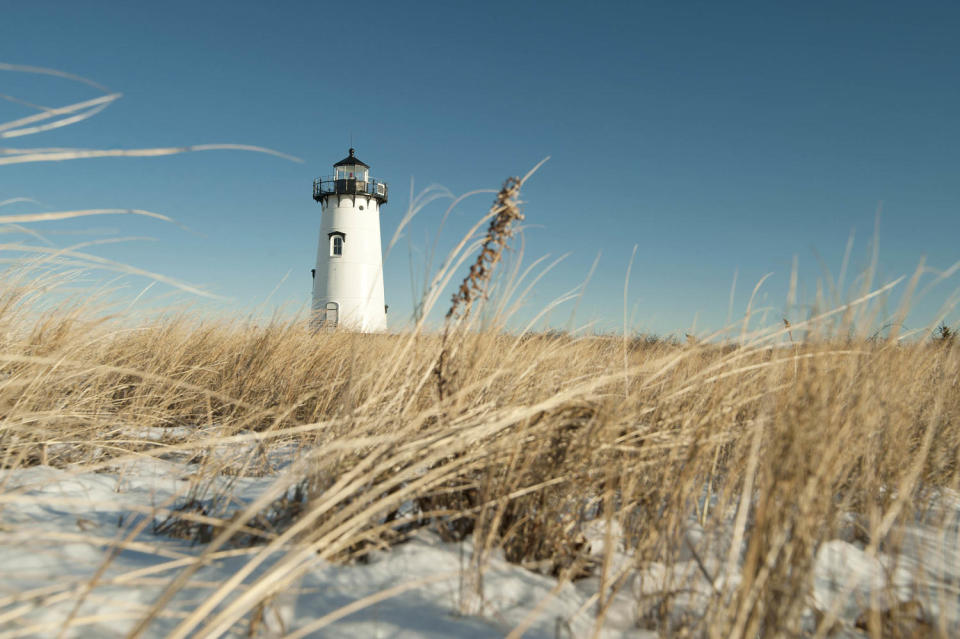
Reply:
x=330, y=185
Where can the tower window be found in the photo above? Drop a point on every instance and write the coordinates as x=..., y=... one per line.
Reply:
x=337, y=240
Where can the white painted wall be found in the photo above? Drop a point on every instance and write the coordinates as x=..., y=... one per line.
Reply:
x=355, y=279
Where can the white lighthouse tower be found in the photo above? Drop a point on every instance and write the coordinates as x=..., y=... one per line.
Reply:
x=348, y=279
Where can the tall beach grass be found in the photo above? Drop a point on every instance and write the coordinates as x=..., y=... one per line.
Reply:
x=768, y=444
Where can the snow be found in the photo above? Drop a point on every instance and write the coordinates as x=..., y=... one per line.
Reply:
x=59, y=528
x=848, y=576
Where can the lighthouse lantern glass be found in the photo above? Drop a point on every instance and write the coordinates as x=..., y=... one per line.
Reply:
x=352, y=172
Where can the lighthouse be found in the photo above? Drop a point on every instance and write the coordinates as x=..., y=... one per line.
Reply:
x=348, y=278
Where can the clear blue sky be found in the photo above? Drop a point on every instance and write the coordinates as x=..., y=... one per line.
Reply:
x=718, y=137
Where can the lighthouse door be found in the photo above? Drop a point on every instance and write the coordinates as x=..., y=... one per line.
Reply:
x=332, y=315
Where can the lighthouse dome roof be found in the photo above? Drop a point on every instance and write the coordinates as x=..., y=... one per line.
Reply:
x=351, y=160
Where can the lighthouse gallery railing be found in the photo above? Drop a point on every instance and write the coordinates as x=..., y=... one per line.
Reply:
x=333, y=186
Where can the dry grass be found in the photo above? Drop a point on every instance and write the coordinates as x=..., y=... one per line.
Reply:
x=773, y=446
x=795, y=444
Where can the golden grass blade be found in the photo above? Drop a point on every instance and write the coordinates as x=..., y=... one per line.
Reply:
x=17, y=228
x=110, y=265
x=626, y=331
x=78, y=154
x=22, y=68
x=16, y=100
x=91, y=107
x=17, y=200
x=65, y=215
x=49, y=126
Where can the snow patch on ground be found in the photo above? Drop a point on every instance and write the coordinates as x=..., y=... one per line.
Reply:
x=58, y=528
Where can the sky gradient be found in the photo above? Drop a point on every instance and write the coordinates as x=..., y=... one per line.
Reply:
x=722, y=139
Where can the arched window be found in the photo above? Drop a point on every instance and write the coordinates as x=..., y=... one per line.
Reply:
x=337, y=240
